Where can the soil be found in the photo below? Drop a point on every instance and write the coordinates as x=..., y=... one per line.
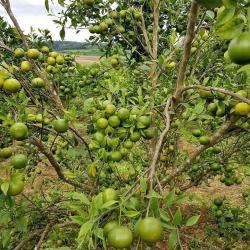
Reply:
x=87, y=59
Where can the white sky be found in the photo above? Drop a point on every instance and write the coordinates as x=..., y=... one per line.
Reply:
x=33, y=13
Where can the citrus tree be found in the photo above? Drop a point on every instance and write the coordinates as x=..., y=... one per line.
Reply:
x=165, y=110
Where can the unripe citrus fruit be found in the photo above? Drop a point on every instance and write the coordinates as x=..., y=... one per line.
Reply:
x=60, y=125
x=120, y=237
x=242, y=109
x=33, y=53
x=59, y=59
x=149, y=133
x=128, y=144
x=16, y=185
x=239, y=49
x=115, y=156
x=114, y=121
x=109, y=226
x=204, y=140
x=26, y=66
x=51, y=60
x=19, y=161
x=109, y=194
x=53, y=54
x=38, y=82
x=102, y=123
x=19, y=52
x=12, y=85
x=19, y=131
x=197, y=132
x=5, y=153
x=110, y=109
x=150, y=229
x=143, y=121
x=136, y=136
x=45, y=49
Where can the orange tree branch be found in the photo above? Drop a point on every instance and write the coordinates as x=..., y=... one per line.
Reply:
x=43, y=149
x=221, y=90
x=158, y=147
x=187, y=45
x=218, y=135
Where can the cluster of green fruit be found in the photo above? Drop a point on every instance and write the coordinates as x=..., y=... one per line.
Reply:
x=115, y=22
x=112, y=130
x=17, y=161
x=39, y=119
x=232, y=221
x=218, y=107
x=149, y=229
x=66, y=89
x=15, y=182
x=227, y=172
x=51, y=60
x=203, y=139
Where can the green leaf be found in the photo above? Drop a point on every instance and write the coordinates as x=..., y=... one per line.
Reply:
x=167, y=226
x=181, y=199
x=168, y=201
x=81, y=197
x=172, y=240
x=177, y=218
x=153, y=194
x=192, y=220
x=4, y=217
x=108, y=204
x=61, y=2
x=62, y=33
x=99, y=233
x=21, y=224
x=47, y=5
x=143, y=185
x=85, y=228
x=132, y=214
x=199, y=107
x=164, y=215
x=77, y=219
x=5, y=187
x=232, y=28
x=224, y=15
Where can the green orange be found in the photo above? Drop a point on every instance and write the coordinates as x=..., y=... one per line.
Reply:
x=19, y=161
x=12, y=85
x=19, y=131
x=150, y=229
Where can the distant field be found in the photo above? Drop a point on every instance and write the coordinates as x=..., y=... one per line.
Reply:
x=89, y=52
x=82, y=59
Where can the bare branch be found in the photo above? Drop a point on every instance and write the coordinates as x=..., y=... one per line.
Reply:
x=159, y=145
x=42, y=148
x=221, y=90
x=187, y=45
x=43, y=236
x=145, y=34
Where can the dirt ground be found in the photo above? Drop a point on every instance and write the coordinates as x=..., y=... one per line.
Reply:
x=87, y=59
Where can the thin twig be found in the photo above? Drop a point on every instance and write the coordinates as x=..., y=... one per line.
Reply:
x=159, y=145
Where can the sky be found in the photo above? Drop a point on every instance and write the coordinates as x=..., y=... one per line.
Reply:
x=33, y=13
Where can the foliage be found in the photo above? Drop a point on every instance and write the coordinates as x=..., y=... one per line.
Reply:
x=106, y=139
